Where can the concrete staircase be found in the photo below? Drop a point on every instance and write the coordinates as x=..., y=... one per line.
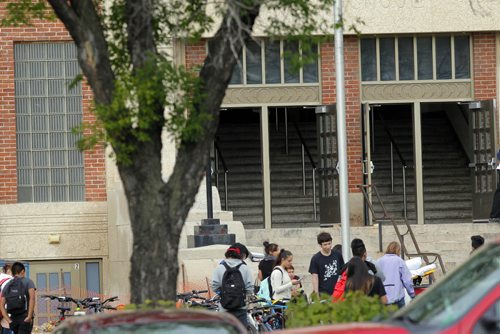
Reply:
x=240, y=147
x=447, y=188
x=451, y=241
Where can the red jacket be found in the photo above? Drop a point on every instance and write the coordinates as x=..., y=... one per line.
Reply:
x=339, y=289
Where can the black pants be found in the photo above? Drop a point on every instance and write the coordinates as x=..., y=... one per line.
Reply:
x=241, y=315
x=18, y=325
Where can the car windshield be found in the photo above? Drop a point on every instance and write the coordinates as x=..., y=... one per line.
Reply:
x=458, y=292
x=168, y=327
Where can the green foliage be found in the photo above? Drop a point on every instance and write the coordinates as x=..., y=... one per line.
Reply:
x=151, y=305
x=357, y=307
x=22, y=12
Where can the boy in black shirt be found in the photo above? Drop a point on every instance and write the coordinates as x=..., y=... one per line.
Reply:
x=325, y=266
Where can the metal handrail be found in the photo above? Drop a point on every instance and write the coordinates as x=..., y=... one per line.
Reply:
x=305, y=150
x=404, y=165
x=218, y=155
x=365, y=189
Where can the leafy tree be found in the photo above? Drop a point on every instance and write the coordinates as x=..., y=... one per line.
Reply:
x=135, y=84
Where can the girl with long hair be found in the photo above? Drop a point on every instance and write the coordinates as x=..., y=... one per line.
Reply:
x=358, y=279
x=280, y=280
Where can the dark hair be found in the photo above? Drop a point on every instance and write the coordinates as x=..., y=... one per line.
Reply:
x=237, y=251
x=324, y=237
x=358, y=278
x=337, y=248
x=284, y=254
x=358, y=247
x=477, y=241
x=6, y=267
x=17, y=268
x=269, y=247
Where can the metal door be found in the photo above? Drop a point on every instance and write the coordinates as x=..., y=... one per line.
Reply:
x=329, y=202
x=367, y=156
x=482, y=127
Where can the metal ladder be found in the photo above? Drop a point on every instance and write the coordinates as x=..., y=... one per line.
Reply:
x=397, y=224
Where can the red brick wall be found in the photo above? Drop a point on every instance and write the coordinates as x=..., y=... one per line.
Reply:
x=195, y=54
x=484, y=66
x=353, y=101
x=95, y=173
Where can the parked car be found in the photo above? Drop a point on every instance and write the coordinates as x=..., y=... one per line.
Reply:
x=153, y=322
x=467, y=300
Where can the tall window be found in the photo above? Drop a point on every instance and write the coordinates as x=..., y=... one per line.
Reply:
x=271, y=62
x=49, y=165
x=440, y=57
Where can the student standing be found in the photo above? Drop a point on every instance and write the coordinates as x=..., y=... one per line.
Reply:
x=21, y=318
x=281, y=282
x=325, y=265
x=397, y=275
x=358, y=279
x=267, y=264
x=234, y=258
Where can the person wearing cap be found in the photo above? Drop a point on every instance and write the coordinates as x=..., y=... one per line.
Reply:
x=235, y=255
x=476, y=242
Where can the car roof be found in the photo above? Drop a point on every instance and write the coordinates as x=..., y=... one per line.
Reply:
x=84, y=323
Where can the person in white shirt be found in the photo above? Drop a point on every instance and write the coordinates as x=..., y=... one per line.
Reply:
x=5, y=277
x=280, y=280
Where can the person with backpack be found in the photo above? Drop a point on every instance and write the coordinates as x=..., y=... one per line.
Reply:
x=232, y=280
x=281, y=283
x=17, y=303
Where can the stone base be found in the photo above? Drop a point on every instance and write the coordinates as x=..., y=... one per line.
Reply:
x=211, y=239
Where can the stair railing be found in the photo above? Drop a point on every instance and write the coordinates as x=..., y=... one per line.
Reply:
x=366, y=189
x=305, y=150
x=218, y=155
x=395, y=147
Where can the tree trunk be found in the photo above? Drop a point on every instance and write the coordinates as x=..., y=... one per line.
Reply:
x=157, y=210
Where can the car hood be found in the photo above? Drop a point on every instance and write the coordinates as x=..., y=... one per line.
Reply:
x=354, y=328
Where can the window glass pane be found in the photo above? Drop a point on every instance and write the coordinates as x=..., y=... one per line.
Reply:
x=93, y=278
x=254, y=62
x=405, y=58
x=310, y=69
x=368, y=59
x=443, y=57
x=273, y=63
x=387, y=59
x=291, y=49
x=44, y=115
x=462, y=57
x=236, y=77
x=424, y=58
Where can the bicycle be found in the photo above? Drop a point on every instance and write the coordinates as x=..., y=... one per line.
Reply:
x=193, y=299
x=267, y=317
x=64, y=309
x=95, y=305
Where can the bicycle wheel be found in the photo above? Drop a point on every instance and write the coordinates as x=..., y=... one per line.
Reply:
x=252, y=330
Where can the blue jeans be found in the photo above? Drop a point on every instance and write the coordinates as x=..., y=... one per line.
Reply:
x=7, y=331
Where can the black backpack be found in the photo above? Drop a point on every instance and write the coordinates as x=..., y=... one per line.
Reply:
x=233, y=292
x=16, y=296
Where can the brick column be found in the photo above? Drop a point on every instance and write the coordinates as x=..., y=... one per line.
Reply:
x=353, y=101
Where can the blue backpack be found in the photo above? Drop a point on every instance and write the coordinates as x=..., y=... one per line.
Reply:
x=266, y=288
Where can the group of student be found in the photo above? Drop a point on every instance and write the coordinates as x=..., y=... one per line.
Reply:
x=388, y=278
